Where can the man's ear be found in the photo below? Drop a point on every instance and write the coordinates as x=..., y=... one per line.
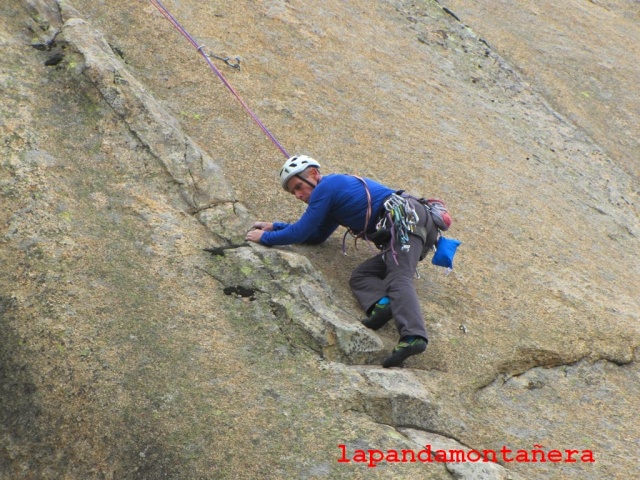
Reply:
x=315, y=174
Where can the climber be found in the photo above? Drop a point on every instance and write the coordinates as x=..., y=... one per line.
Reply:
x=383, y=284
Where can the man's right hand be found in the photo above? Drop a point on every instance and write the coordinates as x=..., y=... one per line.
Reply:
x=265, y=226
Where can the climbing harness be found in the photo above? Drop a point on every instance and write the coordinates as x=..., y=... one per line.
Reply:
x=200, y=48
x=399, y=220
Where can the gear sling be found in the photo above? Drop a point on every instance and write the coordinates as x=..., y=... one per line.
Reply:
x=397, y=220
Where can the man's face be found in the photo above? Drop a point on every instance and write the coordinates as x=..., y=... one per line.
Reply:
x=301, y=189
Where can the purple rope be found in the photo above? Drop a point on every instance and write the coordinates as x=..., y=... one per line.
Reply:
x=199, y=48
x=393, y=239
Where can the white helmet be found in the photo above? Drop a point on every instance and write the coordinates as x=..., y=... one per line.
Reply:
x=295, y=165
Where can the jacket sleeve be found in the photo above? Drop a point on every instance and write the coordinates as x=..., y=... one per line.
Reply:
x=305, y=230
x=323, y=232
x=279, y=226
x=315, y=225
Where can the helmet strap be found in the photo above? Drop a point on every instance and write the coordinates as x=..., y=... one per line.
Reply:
x=305, y=181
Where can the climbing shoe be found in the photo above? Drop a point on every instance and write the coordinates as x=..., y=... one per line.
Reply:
x=406, y=348
x=379, y=317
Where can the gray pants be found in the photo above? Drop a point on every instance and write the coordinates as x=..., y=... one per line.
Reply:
x=380, y=276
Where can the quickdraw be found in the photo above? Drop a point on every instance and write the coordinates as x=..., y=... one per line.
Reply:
x=228, y=60
x=200, y=48
x=400, y=219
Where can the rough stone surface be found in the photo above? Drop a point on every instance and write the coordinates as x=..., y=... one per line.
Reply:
x=129, y=351
x=287, y=285
x=202, y=180
x=550, y=41
x=461, y=470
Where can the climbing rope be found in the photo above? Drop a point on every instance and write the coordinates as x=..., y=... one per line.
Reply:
x=200, y=48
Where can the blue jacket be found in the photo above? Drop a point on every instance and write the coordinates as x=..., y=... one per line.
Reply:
x=337, y=200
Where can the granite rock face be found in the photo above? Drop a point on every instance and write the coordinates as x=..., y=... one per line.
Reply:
x=143, y=338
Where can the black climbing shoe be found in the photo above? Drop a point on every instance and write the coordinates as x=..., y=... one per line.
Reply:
x=380, y=315
x=404, y=350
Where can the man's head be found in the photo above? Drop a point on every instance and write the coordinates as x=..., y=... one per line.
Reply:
x=299, y=176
